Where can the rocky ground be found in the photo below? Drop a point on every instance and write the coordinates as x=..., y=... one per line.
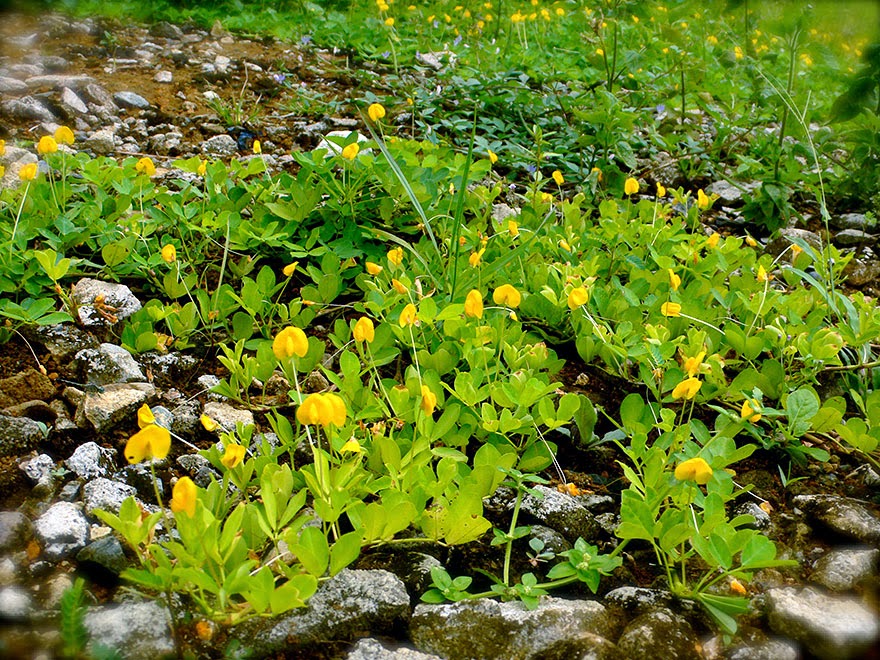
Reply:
x=128, y=90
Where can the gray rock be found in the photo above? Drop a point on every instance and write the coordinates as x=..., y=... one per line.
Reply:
x=771, y=649
x=728, y=193
x=638, y=600
x=561, y=512
x=857, y=221
x=762, y=518
x=584, y=646
x=784, y=241
x=62, y=530
x=23, y=71
x=502, y=212
x=862, y=270
x=105, y=494
x=10, y=570
x=832, y=627
x=487, y=629
x=131, y=101
x=90, y=460
x=59, y=82
x=72, y=103
x=14, y=160
x=97, y=95
x=19, y=435
x=553, y=541
x=39, y=468
x=15, y=604
x=108, y=364
x=220, y=145
x=845, y=568
x=659, y=634
x=138, y=631
x=430, y=59
x=15, y=531
x=166, y=143
x=347, y=605
x=53, y=589
x=62, y=341
x=118, y=302
x=166, y=30
x=847, y=517
x=221, y=63
x=28, y=108
x=849, y=237
x=373, y=649
x=106, y=552
x=12, y=86
x=102, y=142
x=227, y=416
x=103, y=410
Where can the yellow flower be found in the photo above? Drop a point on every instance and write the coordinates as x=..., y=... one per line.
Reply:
x=546, y=197
x=577, y=297
x=762, y=275
x=150, y=442
x=493, y=157
x=661, y=191
x=670, y=309
x=631, y=186
x=598, y=173
x=429, y=400
x=692, y=364
x=738, y=52
x=28, y=172
x=702, y=199
x=2, y=171
x=183, y=496
x=351, y=151
x=476, y=257
x=751, y=242
x=694, y=469
x=233, y=455
x=564, y=245
x=257, y=147
x=395, y=255
x=203, y=168
x=557, y=177
x=712, y=241
x=674, y=280
x=389, y=22
x=712, y=39
x=374, y=268
x=323, y=409
x=169, y=253
x=289, y=342
x=408, y=316
x=751, y=410
x=364, y=330
x=2, y=147
x=687, y=389
x=738, y=588
x=209, y=424
x=290, y=269
x=506, y=294
x=376, y=111
x=47, y=145
x=63, y=135
x=145, y=416
x=513, y=228
x=351, y=446
x=145, y=166
x=473, y=304
x=397, y=286
x=796, y=251
x=600, y=52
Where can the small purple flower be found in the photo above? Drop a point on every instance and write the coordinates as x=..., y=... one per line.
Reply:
x=436, y=24
x=306, y=39
x=279, y=78
x=386, y=54
x=457, y=40
x=531, y=169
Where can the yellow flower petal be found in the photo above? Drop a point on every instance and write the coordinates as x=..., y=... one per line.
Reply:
x=169, y=253
x=577, y=297
x=373, y=268
x=233, y=455
x=145, y=166
x=429, y=400
x=63, y=135
x=473, y=304
x=694, y=469
x=150, y=442
x=631, y=186
x=351, y=151
x=364, y=330
x=670, y=309
x=289, y=342
x=506, y=294
x=145, y=416
x=408, y=316
x=687, y=389
x=209, y=424
x=376, y=111
x=47, y=145
x=184, y=496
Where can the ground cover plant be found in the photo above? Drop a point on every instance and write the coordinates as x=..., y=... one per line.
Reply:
x=404, y=304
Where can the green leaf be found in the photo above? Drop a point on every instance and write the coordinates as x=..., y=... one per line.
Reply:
x=344, y=551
